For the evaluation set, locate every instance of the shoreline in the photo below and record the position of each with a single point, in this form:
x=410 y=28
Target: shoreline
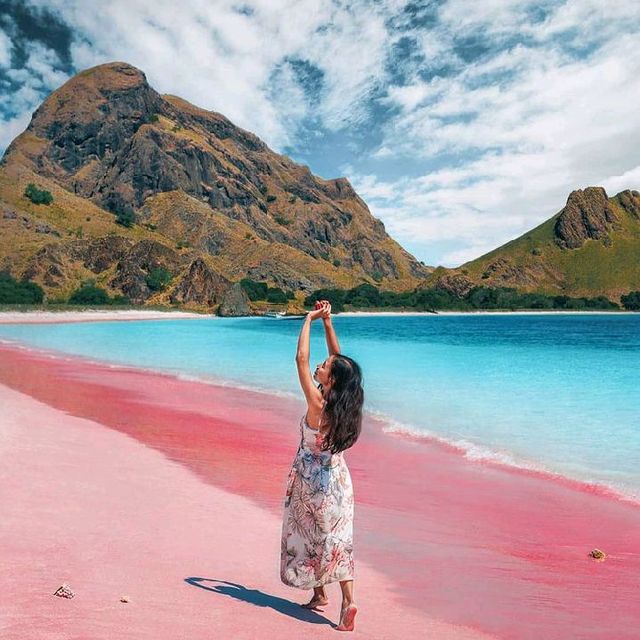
x=472 y=452
x=520 y=571
x=482 y=313
x=95 y=315
x=99 y=315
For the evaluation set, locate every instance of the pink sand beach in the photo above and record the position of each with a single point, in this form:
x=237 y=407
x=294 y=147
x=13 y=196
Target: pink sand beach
x=122 y=482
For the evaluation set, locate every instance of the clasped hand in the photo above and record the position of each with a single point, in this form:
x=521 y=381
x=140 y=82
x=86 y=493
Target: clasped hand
x=322 y=310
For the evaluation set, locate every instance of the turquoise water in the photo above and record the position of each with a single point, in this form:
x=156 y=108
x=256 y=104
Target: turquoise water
x=556 y=392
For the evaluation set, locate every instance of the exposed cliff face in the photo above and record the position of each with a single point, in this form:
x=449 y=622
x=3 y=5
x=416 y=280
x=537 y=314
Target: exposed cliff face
x=630 y=202
x=587 y=214
x=107 y=137
x=201 y=285
x=235 y=302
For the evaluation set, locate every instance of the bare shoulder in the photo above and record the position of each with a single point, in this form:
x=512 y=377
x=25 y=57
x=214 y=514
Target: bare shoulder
x=314 y=411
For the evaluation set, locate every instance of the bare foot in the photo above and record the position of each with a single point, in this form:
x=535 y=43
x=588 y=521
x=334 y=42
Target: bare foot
x=347 y=618
x=316 y=602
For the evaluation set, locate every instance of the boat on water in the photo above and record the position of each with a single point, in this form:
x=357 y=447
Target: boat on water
x=281 y=315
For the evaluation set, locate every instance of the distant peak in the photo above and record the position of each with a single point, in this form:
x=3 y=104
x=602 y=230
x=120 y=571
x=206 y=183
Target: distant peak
x=112 y=75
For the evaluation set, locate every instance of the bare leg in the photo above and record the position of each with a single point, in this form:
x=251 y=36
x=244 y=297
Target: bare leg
x=319 y=599
x=347 y=592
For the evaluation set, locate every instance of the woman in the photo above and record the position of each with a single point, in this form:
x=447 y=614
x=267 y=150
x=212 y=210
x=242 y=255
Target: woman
x=317 y=528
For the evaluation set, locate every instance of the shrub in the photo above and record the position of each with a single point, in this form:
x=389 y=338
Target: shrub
x=364 y=295
x=126 y=217
x=153 y=117
x=261 y=291
x=276 y=295
x=631 y=301
x=282 y=220
x=158 y=278
x=255 y=290
x=336 y=262
x=359 y=301
x=38 y=196
x=271 y=198
x=89 y=294
x=334 y=296
x=13 y=291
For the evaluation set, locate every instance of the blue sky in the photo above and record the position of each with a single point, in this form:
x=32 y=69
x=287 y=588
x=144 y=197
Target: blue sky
x=461 y=123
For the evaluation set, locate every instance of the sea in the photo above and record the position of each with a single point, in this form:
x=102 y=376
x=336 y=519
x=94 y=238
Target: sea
x=557 y=393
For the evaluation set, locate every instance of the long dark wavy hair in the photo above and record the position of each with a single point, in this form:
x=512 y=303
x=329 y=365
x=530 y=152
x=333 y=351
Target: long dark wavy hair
x=343 y=404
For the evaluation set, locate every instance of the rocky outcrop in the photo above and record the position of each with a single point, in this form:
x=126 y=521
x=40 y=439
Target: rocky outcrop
x=588 y=214
x=134 y=267
x=201 y=285
x=630 y=201
x=29 y=223
x=99 y=254
x=285 y=277
x=48 y=265
x=235 y=302
x=457 y=284
x=502 y=272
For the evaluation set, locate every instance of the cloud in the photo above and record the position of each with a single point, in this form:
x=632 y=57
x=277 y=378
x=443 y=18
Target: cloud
x=5 y=49
x=463 y=124
x=615 y=184
x=511 y=134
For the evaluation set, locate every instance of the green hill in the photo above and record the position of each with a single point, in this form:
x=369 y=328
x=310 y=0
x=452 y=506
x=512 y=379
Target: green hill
x=590 y=247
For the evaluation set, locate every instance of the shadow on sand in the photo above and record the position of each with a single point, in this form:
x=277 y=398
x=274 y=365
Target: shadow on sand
x=260 y=599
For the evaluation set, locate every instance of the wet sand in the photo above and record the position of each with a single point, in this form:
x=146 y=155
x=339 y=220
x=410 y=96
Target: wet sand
x=126 y=482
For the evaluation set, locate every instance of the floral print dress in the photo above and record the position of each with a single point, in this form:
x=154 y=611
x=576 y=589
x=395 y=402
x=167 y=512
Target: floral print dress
x=317 y=527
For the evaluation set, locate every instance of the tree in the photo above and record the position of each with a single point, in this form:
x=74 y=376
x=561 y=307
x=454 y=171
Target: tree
x=158 y=279
x=631 y=301
x=89 y=294
x=126 y=217
x=13 y=291
x=276 y=295
x=255 y=290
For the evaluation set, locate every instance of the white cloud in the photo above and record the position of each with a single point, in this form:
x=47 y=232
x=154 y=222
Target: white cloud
x=5 y=49
x=492 y=147
x=37 y=74
x=11 y=128
x=629 y=179
x=521 y=140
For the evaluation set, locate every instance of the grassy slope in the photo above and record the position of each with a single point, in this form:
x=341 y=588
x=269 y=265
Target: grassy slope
x=591 y=270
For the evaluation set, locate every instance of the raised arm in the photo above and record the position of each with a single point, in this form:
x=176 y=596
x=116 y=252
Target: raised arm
x=333 y=346
x=311 y=392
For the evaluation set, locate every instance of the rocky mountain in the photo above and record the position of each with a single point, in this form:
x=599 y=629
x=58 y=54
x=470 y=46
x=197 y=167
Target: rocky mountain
x=213 y=203
x=590 y=247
